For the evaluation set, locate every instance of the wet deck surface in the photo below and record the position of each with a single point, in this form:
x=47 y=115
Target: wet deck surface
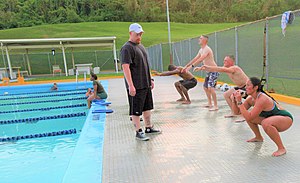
x=196 y=145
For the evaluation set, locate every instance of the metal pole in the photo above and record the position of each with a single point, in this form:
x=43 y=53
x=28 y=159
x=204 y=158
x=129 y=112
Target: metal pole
x=216 y=47
x=190 y=49
x=169 y=32
x=9 y=64
x=77 y=75
x=4 y=59
x=161 y=58
x=49 y=63
x=236 y=46
x=96 y=58
x=267 y=54
x=181 y=53
x=28 y=62
x=73 y=60
x=64 y=56
x=115 y=56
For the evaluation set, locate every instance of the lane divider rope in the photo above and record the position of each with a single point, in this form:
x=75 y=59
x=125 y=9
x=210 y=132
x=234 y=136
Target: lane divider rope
x=43 y=109
x=44 y=101
x=43 y=96
x=79 y=89
x=38 y=135
x=36 y=119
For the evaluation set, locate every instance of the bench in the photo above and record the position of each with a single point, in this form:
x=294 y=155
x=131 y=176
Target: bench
x=83 y=68
x=22 y=73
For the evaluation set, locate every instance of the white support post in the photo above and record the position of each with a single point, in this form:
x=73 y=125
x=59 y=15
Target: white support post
x=190 y=49
x=115 y=56
x=216 y=47
x=169 y=32
x=28 y=62
x=267 y=54
x=236 y=46
x=9 y=64
x=64 y=56
x=161 y=59
x=3 y=57
x=84 y=75
x=73 y=60
x=77 y=76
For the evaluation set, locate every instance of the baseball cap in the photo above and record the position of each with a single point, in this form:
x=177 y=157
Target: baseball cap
x=135 y=27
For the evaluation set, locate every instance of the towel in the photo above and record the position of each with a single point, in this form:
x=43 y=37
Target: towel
x=286 y=18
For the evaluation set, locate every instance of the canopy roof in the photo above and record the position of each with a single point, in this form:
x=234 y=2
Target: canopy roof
x=62 y=43
x=58 y=42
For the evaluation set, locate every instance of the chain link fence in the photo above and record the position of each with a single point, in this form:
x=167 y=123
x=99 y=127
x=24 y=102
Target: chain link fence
x=41 y=63
x=246 y=42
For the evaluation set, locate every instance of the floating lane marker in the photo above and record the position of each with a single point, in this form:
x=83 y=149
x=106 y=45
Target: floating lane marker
x=38 y=135
x=34 y=120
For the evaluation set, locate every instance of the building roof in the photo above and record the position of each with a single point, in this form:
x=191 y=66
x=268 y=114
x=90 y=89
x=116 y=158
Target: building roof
x=58 y=42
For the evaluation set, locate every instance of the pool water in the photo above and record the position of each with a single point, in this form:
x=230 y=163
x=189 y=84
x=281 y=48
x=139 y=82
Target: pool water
x=43 y=159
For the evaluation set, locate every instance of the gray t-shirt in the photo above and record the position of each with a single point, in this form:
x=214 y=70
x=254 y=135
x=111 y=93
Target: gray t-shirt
x=136 y=55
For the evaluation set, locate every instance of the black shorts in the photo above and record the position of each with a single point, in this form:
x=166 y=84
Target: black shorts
x=142 y=101
x=244 y=94
x=188 y=84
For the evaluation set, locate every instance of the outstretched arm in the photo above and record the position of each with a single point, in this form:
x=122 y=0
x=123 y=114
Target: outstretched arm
x=215 y=69
x=197 y=60
x=168 y=73
x=200 y=59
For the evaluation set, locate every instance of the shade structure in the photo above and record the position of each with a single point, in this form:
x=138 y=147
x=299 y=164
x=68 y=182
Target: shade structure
x=62 y=43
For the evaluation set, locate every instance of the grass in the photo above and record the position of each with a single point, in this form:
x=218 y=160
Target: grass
x=41 y=60
x=250 y=46
x=155 y=32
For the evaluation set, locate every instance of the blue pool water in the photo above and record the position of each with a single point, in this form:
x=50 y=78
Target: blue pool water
x=55 y=158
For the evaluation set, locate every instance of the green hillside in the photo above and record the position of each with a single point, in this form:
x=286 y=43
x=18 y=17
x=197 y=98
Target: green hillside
x=41 y=60
x=155 y=33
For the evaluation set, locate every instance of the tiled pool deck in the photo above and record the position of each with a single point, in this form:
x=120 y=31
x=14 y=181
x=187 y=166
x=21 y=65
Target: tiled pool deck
x=196 y=145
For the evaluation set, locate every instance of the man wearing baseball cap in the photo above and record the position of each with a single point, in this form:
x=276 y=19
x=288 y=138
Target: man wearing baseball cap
x=138 y=81
x=135 y=27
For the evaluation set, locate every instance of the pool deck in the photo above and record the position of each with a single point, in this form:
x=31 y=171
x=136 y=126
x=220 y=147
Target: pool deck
x=196 y=145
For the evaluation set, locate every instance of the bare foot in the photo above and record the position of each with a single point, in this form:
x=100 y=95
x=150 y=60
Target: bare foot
x=230 y=116
x=186 y=102
x=240 y=120
x=181 y=100
x=214 y=109
x=255 y=140
x=207 y=106
x=279 y=152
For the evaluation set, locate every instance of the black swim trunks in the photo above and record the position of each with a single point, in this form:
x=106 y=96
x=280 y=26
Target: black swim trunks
x=188 y=84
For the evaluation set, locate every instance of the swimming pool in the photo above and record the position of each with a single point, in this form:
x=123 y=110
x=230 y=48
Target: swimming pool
x=50 y=153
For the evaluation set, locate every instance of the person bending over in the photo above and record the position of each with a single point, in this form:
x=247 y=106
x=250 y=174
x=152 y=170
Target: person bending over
x=182 y=86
